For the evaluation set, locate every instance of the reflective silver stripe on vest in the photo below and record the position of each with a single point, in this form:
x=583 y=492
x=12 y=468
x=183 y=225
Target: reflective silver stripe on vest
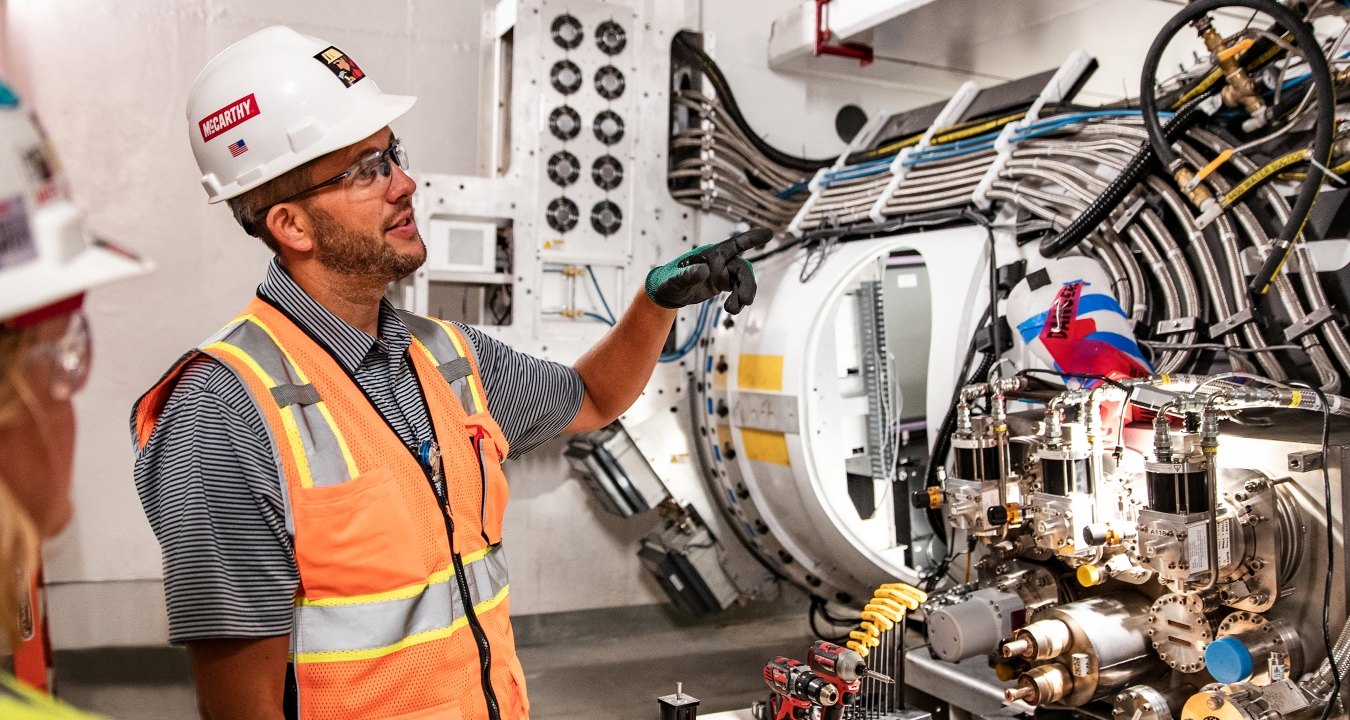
x=454 y=367
x=364 y=630
x=319 y=443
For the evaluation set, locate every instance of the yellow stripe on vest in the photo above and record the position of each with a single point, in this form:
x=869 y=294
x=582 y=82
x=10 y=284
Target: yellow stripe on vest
x=287 y=413
x=424 y=637
x=403 y=593
x=321 y=405
x=478 y=402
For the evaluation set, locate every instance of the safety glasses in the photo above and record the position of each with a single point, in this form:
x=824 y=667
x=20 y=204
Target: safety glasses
x=65 y=361
x=365 y=178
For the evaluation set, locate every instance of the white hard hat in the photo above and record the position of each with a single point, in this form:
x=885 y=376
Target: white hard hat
x=46 y=255
x=276 y=100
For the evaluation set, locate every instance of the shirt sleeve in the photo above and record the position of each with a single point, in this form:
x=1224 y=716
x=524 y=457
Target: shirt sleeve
x=210 y=486
x=532 y=400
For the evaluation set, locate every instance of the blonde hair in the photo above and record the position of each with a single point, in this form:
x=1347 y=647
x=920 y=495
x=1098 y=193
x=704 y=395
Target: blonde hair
x=18 y=536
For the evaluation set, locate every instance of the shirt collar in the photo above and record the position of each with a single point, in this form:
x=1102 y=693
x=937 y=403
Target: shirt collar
x=348 y=344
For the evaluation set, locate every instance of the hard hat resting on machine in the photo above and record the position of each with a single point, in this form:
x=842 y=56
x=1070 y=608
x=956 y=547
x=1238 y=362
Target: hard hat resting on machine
x=46 y=254
x=276 y=100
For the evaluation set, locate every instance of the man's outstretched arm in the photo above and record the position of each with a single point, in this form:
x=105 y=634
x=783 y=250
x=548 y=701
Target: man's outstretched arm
x=617 y=369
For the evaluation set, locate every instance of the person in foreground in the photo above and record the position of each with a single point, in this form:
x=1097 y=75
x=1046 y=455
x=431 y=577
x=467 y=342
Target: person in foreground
x=47 y=262
x=324 y=474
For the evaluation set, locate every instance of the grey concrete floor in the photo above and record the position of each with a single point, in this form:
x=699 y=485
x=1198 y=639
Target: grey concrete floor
x=596 y=665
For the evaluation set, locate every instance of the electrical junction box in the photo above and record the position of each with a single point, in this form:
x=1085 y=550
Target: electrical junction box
x=461 y=245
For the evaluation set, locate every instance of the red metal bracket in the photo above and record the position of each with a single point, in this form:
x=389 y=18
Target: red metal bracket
x=858 y=51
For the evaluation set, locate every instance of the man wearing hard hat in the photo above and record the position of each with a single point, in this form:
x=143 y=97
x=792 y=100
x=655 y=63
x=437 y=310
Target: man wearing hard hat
x=324 y=474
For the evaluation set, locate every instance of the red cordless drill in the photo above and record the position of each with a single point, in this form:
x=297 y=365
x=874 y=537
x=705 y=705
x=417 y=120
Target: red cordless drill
x=844 y=669
x=796 y=690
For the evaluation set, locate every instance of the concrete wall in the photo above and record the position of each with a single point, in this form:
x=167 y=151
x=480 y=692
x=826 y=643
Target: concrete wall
x=110 y=81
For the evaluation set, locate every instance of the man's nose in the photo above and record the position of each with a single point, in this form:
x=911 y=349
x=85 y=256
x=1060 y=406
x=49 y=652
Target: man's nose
x=401 y=183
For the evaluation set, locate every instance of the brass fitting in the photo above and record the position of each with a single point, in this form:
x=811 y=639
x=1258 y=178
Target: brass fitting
x=1196 y=192
x=1240 y=88
x=1041 y=685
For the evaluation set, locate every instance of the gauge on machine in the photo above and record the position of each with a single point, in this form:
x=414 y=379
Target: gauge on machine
x=606 y=218
x=563 y=168
x=565 y=76
x=562 y=214
x=609 y=82
x=610 y=38
x=608 y=127
x=564 y=122
x=567 y=32
x=607 y=172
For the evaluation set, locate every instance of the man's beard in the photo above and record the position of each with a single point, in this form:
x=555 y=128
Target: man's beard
x=360 y=254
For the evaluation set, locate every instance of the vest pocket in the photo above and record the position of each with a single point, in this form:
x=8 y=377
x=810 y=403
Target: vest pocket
x=492 y=448
x=355 y=538
x=518 y=679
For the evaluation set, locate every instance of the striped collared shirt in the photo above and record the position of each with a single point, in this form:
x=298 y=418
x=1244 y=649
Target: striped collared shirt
x=208 y=477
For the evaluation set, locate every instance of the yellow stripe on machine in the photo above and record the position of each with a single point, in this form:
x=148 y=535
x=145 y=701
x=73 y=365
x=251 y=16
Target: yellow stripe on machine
x=760 y=372
x=765 y=446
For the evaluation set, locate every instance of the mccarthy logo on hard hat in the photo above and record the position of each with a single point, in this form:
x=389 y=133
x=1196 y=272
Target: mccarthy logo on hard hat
x=342 y=66
x=228 y=116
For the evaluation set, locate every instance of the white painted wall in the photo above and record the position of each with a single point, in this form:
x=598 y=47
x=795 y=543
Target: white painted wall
x=109 y=80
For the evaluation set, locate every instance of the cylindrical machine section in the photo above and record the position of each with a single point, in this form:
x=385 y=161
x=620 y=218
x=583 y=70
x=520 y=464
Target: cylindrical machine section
x=1253 y=648
x=1110 y=632
x=1041 y=685
x=974 y=626
x=1041 y=640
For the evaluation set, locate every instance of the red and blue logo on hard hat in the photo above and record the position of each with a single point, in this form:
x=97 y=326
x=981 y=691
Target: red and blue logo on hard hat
x=342 y=66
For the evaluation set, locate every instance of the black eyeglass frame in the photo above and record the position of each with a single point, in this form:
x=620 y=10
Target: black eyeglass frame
x=394 y=154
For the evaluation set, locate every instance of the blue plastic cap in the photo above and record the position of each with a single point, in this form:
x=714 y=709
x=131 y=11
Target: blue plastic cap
x=8 y=98
x=1228 y=660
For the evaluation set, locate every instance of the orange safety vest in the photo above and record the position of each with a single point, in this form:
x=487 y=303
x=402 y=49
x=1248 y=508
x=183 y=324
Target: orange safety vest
x=402 y=610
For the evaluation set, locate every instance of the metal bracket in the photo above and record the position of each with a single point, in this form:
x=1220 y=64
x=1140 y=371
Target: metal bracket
x=1175 y=326
x=858 y=51
x=1127 y=217
x=951 y=112
x=1306 y=461
x=773 y=412
x=1307 y=324
x=1231 y=323
x=1060 y=85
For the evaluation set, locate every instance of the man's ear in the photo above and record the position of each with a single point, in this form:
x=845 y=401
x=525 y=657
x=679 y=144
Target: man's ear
x=291 y=226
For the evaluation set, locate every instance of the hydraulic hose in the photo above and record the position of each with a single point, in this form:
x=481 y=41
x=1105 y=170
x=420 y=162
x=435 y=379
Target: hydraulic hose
x=719 y=81
x=1321 y=681
x=1326 y=105
x=1110 y=199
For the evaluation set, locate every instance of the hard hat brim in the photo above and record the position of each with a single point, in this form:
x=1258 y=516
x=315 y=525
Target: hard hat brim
x=101 y=263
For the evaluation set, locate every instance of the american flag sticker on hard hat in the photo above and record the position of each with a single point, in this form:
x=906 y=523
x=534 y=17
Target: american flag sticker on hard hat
x=238 y=148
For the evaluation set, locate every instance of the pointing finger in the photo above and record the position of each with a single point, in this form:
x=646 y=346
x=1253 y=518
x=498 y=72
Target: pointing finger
x=751 y=239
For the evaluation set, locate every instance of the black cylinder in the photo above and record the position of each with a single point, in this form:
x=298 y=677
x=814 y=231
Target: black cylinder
x=1179 y=493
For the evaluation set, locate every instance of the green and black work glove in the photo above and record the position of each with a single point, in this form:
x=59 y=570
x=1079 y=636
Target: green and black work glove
x=704 y=272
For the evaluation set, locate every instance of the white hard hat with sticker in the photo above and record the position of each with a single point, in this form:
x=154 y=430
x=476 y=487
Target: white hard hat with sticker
x=46 y=254
x=276 y=100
